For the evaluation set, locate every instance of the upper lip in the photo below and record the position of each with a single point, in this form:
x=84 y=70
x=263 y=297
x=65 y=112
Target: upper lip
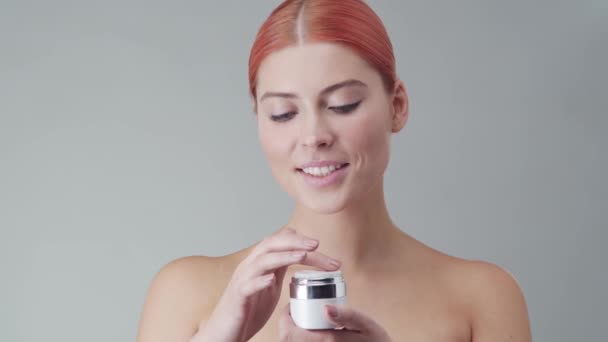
x=320 y=163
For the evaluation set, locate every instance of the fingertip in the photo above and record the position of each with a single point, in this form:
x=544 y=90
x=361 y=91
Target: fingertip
x=334 y=265
x=311 y=244
x=332 y=311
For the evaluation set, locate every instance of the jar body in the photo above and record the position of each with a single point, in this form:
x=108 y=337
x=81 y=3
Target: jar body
x=310 y=313
x=309 y=292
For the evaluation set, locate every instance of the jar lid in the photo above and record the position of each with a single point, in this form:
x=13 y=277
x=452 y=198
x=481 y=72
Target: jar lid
x=318 y=275
x=317 y=285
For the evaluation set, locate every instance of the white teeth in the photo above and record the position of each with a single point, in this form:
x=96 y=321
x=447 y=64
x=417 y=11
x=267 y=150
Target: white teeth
x=321 y=171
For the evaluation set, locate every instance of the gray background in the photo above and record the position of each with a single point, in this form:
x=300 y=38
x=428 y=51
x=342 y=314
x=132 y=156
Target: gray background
x=127 y=140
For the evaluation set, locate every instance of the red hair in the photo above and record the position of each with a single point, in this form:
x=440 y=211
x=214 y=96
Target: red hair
x=349 y=22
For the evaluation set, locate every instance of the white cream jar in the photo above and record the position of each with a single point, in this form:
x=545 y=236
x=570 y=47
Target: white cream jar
x=309 y=292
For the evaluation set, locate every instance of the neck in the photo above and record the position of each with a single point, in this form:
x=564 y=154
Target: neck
x=358 y=235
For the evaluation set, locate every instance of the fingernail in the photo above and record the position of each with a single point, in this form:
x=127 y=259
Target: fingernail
x=334 y=263
x=311 y=243
x=332 y=311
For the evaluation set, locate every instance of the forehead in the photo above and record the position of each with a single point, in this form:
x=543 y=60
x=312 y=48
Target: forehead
x=310 y=67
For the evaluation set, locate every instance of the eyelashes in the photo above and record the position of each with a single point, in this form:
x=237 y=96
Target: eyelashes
x=345 y=109
x=282 y=117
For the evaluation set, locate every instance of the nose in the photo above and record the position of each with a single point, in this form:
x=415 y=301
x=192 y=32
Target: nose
x=316 y=133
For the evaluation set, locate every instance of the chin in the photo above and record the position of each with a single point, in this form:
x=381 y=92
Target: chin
x=325 y=210
x=325 y=205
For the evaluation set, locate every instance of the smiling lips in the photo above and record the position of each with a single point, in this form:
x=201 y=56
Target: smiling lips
x=324 y=173
x=321 y=168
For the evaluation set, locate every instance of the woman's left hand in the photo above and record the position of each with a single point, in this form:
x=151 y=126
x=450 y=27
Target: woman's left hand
x=357 y=327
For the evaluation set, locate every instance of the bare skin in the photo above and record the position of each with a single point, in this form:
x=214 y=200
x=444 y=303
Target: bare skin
x=408 y=290
x=420 y=295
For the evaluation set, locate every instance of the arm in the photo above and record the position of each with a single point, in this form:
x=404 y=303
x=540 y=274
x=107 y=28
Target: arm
x=235 y=301
x=499 y=313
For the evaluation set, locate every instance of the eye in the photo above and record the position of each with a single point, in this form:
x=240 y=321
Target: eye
x=282 y=117
x=346 y=108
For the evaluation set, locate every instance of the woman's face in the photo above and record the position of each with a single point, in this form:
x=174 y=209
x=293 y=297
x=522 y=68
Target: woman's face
x=324 y=123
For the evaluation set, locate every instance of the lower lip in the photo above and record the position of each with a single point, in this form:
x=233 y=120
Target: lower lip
x=321 y=182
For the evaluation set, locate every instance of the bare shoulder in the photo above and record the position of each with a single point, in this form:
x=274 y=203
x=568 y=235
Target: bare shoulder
x=183 y=293
x=485 y=282
x=494 y=298
x=487 y=278
x=487 y=294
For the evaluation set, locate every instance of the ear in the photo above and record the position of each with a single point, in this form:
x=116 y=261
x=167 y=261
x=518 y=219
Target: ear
x=254 y=104
x=400 y=106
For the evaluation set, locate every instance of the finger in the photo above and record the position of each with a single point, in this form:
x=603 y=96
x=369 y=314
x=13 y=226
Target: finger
x=350 y=319
x=271 y=262
x=257 y=284
x=322 y=261
x=285 y=240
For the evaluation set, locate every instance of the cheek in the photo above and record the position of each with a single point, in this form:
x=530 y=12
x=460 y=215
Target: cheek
x=276 y=146
x=274 y=143
x=368 y=137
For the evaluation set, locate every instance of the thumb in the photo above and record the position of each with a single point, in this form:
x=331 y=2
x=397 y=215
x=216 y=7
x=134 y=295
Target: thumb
x=350 y=319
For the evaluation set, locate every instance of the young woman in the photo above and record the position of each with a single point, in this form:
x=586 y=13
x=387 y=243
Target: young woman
x=327 y=99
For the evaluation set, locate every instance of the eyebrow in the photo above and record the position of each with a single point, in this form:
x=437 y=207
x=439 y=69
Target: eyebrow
x=327 y=90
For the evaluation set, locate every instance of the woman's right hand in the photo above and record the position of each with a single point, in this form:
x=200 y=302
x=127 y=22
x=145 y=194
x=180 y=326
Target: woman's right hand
x=255 y=287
